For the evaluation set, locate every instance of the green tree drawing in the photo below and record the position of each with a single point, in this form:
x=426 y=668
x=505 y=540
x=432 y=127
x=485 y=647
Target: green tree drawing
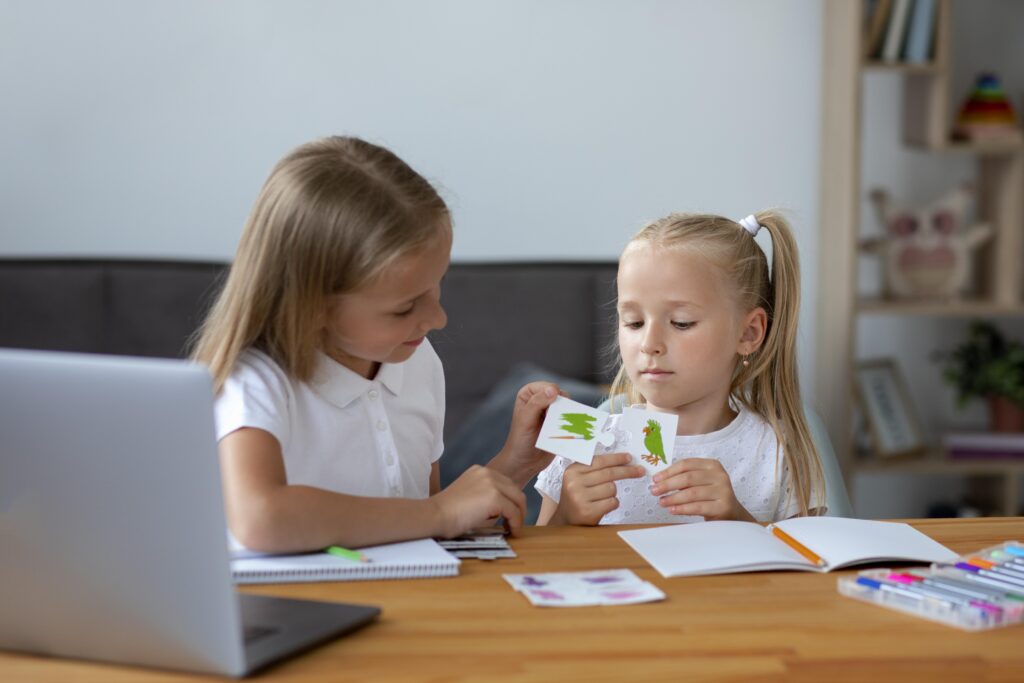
x=578 y=423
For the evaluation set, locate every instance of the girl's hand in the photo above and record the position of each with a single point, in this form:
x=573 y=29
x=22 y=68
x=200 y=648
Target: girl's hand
x=519 y=458
x=699 y=486
x=478 y=498
x=588 y=493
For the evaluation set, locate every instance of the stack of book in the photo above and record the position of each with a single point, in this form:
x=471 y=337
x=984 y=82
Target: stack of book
x=984 y=445
x=900 y=30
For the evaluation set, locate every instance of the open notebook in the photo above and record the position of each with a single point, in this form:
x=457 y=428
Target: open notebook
x=725 y=547
x=409 y=560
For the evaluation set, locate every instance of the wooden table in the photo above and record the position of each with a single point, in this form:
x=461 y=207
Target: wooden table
x=769 y=626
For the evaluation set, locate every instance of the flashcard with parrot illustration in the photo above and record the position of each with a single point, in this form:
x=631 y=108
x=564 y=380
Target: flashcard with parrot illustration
x=652 y=437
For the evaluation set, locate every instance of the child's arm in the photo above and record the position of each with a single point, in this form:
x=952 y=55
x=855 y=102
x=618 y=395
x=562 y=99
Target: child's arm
x=588 y=493
x=519 y=459
x=267 y=514
x=699 y=486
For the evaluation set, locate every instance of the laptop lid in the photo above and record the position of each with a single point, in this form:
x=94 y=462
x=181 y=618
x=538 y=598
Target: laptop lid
x=111 y=517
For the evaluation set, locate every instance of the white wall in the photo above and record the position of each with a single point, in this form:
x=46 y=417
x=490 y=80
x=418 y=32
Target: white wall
x=554 y=127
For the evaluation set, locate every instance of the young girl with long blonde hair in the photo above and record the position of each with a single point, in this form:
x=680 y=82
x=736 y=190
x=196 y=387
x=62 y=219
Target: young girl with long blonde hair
x=330 y=402
x=706 y=331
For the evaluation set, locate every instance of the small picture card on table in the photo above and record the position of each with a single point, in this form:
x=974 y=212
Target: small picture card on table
x=584 y=589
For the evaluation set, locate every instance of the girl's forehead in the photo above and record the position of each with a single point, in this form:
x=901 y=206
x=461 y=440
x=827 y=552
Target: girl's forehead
x=412 y=273
x=654 y=275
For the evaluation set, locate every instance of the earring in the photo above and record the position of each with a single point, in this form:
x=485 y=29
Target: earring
x=746 y=361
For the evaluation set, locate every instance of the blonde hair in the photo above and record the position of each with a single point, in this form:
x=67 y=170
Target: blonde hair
x=769 y=386
x=332 y=215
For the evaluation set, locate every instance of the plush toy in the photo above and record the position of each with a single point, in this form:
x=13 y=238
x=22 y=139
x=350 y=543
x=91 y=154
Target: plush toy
x=926 y=253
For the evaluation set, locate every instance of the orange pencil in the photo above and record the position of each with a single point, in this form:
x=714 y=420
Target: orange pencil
x=797 y=546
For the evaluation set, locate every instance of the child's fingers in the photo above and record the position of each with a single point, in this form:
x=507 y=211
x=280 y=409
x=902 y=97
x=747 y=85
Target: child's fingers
x=690 y=472
x=693 y=494
x=610 y=459
x=681 y=482
x=603 y=507
x=612 y=474
x=685 y=465
x=513 y=504
x=592 y=494
x=539 y=394
x=704 y=508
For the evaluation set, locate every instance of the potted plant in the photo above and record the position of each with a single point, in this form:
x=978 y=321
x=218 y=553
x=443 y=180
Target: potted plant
x=991 y=367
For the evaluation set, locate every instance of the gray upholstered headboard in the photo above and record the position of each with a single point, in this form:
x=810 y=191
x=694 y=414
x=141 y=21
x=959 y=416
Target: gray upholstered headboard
x=557 y=315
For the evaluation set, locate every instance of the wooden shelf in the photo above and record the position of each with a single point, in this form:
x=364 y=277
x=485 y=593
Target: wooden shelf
x=929 y=106
x=900 y=67
x=939 y=309
x=940 y=465
x=977 y=147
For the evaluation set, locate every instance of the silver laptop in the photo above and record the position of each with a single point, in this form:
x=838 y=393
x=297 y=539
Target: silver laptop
x=113 y=542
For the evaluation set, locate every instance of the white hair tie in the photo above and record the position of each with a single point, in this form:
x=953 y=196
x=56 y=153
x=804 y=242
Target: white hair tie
x=751 y=225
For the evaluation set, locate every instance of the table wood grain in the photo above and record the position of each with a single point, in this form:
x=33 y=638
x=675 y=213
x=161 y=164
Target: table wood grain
x=767 y=626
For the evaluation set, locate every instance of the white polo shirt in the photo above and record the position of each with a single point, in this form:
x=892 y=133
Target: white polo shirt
x=341 y=431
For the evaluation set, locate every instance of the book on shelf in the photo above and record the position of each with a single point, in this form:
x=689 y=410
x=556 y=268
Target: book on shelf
x=920 y=32
x=896 y=31
x=875 y=34
x=983 y=445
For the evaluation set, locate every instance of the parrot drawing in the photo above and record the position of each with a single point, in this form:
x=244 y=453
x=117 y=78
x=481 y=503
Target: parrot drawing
x=652 y=442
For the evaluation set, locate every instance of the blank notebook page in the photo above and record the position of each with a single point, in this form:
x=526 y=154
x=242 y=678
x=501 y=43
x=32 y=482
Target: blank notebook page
x=711 y=547
x=840 y=541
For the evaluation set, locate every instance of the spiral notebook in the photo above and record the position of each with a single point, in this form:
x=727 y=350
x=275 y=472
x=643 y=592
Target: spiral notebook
x=408 y=560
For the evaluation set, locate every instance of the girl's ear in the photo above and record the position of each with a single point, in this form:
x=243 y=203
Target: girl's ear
x=752 y=331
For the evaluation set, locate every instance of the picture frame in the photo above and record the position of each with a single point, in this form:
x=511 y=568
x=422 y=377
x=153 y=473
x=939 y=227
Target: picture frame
x=888 y=410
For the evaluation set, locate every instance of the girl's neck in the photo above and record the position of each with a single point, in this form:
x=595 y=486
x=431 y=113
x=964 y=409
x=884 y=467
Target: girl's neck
x=360 y=366
x=703 y=416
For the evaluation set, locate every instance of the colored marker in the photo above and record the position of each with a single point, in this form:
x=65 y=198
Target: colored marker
x=1004 y=580
x=797 y=546
x=1014 y=550
x=950 y=596
x=974 y=590
x=978 y=562
x=1013 y=574
x=916 y=594
x=889 y=588
x=353 y=555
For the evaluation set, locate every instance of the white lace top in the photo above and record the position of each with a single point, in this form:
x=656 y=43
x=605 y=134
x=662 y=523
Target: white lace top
x=745 y=447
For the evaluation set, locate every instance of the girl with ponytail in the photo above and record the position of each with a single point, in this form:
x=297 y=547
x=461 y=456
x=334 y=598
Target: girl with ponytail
x=706 y=331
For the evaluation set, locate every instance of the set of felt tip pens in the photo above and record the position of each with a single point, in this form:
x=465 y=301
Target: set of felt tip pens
x=979 y=591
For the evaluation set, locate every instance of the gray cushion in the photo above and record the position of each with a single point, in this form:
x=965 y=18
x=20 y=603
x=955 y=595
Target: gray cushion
x=47 y=305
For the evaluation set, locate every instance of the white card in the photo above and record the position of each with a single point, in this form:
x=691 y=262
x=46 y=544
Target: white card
x=580 y=589
x=572 y=430
x=596 y=579
x=651 y=437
